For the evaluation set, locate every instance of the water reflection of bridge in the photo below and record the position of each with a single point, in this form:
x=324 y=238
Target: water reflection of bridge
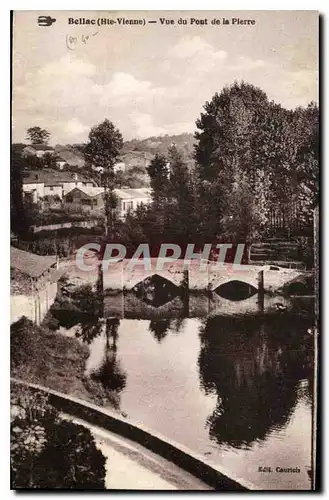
x=202 y=305
x=177 y=289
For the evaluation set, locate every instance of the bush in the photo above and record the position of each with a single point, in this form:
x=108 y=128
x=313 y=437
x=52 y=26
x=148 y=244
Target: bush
x=48 y=452
x=305 y=251
x=50 y=322
x=22 y=344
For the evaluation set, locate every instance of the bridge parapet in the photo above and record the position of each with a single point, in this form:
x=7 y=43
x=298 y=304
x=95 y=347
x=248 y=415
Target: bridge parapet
x=194 y=276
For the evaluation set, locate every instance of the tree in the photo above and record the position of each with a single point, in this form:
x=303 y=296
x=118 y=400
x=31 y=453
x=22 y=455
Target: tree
x=226 y=130
x=224 y=151
x=179 y=175
x=101 y=152
x=18 y=165
x=133 y=178
x=159 y=216
x=131 y=230
x=49 y=160
x=184 y=220
x=306 y=128
x=48 y=452
x=245 y=220
x=247 y=143
x=38 y=135
x=158 y=171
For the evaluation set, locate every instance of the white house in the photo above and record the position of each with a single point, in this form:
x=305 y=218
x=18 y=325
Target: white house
x=38 y=150
x=47 y=182
x=129 y=160
x=84 y=199
x=60 y=162
x=130 y=199
x=119 y=167
x=91 y=199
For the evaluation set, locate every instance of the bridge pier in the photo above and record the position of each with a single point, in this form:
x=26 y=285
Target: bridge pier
x=261 y=291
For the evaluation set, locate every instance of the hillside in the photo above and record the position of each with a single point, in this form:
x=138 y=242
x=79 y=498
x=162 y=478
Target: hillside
x=73 y=153
x=161 y=144
x=136 y=155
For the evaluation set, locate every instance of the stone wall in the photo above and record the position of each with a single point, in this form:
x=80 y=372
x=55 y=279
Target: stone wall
x=181 y=456
x=34 y=306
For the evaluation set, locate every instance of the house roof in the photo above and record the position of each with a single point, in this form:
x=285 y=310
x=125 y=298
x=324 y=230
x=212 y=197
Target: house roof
x=93 y=191
x=40 y=147
x=70 y=156
x=124 y=194
x=89 y=191
x=29 y=263
x=52 y=177
x=132 y=193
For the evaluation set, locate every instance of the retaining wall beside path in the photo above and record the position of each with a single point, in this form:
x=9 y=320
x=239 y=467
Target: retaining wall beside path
x=181 y=456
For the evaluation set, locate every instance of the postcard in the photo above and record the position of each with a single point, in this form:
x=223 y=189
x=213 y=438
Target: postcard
x=165 y=250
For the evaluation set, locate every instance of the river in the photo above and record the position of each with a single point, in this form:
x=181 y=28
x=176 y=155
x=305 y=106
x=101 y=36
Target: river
x=237 y=390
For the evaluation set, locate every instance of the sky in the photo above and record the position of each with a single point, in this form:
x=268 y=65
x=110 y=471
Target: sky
x=154 y=79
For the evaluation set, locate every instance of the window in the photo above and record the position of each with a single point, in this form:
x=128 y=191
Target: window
x=69 y=198
x=51 y=188
x=127 y=205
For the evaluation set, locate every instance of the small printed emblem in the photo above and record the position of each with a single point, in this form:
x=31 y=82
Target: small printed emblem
x=46 y=20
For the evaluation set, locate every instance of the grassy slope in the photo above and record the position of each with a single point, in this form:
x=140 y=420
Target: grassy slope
x=53 y=360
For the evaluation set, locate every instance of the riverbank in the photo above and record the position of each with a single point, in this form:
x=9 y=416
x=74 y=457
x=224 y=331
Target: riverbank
x=41 y=356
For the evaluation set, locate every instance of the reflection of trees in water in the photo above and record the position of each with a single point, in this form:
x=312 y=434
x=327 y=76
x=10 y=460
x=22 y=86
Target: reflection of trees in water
x=160 y=328
x=177 y=325
x=86 y=313
x=254 y=367
x=88 y=328
x=110 y=373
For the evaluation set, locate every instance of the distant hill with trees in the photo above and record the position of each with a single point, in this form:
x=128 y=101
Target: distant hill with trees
x=161 y=143
x=184 y=143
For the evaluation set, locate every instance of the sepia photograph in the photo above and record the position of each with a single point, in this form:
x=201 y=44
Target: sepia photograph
x=164 y=250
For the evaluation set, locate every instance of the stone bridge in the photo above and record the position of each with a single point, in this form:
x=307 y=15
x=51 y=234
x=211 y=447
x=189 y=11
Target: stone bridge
x=192 y=290
x=195 y=277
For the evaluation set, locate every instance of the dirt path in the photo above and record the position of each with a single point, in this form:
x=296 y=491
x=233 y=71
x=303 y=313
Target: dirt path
x=132 y=467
